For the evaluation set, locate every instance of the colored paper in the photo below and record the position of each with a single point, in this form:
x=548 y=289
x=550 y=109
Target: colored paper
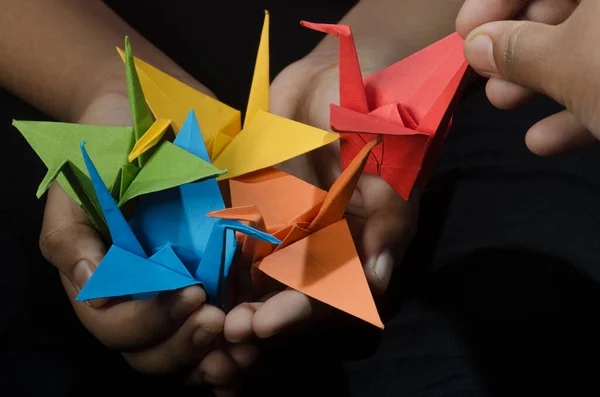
x=140 y=112
x=169 y=242
x=178 y=217
x=316 y=255
x=127 y=270
x=409 y=103
x=265 y=139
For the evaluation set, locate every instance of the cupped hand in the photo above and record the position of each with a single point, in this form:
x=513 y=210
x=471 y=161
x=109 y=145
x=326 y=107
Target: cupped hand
x=382 y=223
x=550 y=50
x=172 y=333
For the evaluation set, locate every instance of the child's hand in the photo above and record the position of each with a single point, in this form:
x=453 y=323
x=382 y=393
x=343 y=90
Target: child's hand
x=522 y=58
x=161 y=335
x=379 y=218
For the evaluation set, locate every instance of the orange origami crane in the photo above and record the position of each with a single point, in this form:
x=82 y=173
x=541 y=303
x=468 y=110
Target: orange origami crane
x=410 y=103
x=317 y=255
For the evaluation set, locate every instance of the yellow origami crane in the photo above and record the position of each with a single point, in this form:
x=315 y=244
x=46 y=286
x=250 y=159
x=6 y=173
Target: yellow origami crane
x=264 y=140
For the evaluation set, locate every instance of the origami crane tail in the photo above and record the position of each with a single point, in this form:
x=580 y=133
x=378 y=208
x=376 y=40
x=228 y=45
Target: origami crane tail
x=341 y=192
x=352 y=90
x=120 y=231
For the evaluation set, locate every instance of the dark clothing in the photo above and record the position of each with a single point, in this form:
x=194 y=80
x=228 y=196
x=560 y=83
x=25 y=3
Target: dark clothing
x=497 y=296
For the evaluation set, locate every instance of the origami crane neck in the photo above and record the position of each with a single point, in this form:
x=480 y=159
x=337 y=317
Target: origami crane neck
x=140 y=112
x=352 y=90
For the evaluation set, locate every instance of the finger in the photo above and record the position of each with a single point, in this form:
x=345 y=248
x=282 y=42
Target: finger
x=244 y=355
x=558 y=133
x=388 y=230
x=216 y=368
x=130 y=325
x=238 y=323
x=69 y=241
x=188 y=343
x=477 y=12
x=506 y=95
x=551 y=12
x=285 y=310
x=524 y=53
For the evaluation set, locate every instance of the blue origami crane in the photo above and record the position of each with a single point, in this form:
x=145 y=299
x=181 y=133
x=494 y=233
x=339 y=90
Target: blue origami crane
x=170 y=242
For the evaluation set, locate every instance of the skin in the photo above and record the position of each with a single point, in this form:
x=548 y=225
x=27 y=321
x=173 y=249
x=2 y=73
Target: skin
x=380 y=219
x=83 y=81
x=527 y=56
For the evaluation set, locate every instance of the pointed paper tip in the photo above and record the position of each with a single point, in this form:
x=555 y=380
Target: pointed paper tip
x=127 y=46
x=266 y=13
x=82 y=145
x=133 y=155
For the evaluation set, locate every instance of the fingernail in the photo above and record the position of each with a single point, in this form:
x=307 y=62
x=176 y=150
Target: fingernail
x=480 y=54
x=382 y=269
x=82 y=272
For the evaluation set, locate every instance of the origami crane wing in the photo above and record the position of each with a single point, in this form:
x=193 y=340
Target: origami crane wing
x=56 y=143
x=326 y=267
x=420 y=80
x=126 y=269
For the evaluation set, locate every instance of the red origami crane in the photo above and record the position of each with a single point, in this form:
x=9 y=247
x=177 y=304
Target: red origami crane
x=409 y=103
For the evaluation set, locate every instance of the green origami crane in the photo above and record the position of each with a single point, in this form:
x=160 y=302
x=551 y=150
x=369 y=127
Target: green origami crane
x=163 y=167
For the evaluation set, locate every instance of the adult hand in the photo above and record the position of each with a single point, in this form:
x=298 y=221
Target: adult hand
x=166 y=334
x=382 y=223
x=551 y=51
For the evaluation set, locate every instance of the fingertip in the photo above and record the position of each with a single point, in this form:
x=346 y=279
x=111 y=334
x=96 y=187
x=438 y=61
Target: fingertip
x=244 y=355
x=217 y=368
x=238 y=322
x=282 y=311
x=557 y=134
x=210 y=318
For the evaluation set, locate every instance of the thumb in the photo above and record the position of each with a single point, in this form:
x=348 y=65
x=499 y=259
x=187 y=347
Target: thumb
x=389 y=228
x=524 y=53
x=69 y=241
